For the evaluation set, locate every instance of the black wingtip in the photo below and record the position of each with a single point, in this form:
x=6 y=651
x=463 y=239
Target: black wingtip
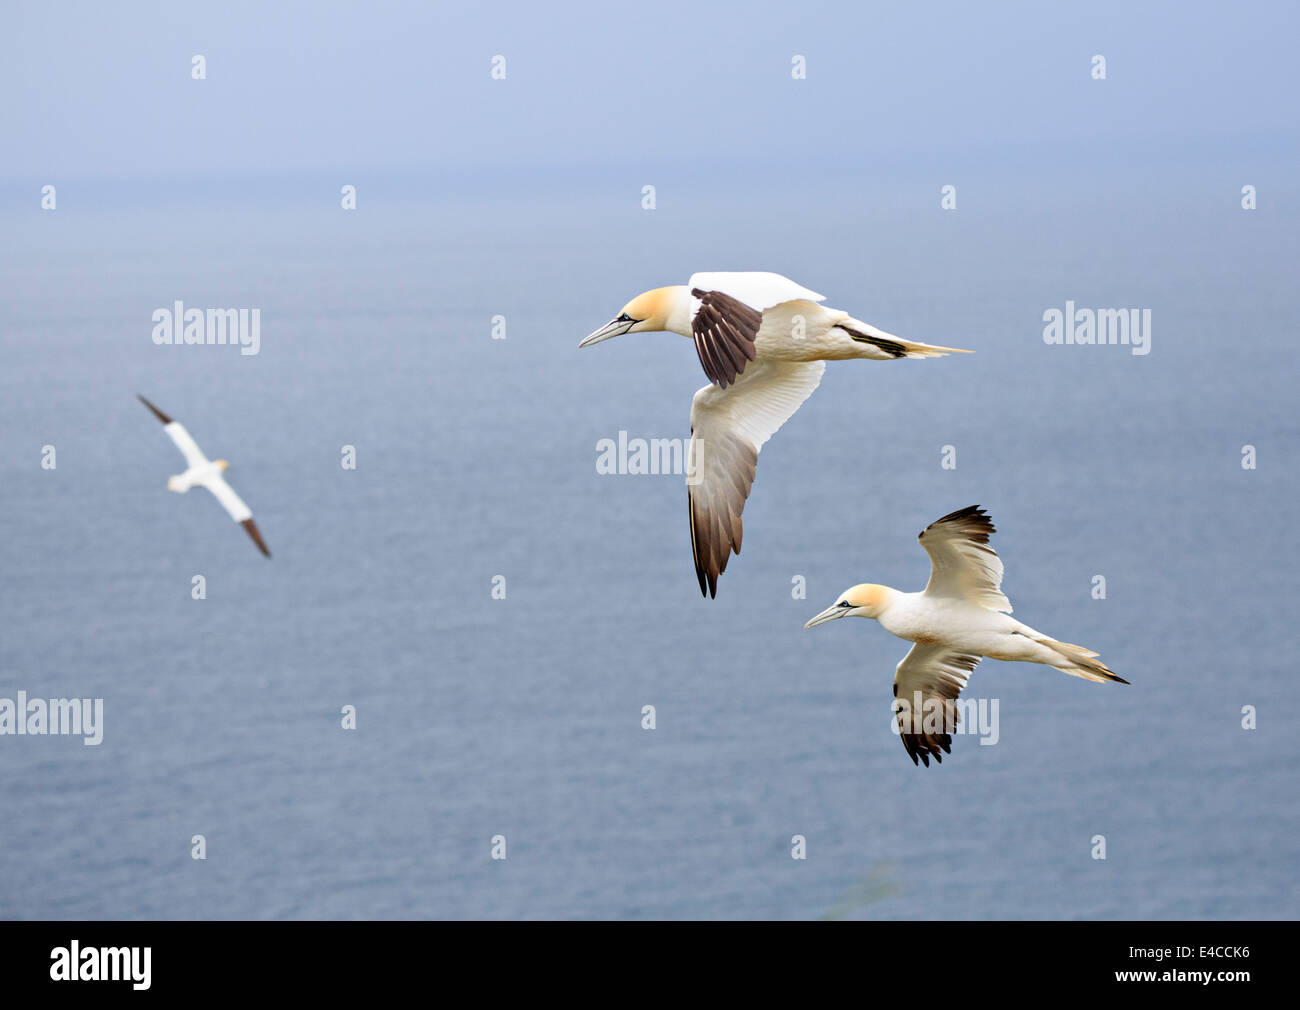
x=981 y=524
x=891 y=347
x=251 y=527
x=156 y=412
x=969 y=511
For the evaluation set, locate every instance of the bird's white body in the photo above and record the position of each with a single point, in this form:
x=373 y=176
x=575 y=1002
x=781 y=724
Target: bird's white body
x=763 y=341
x=962 y=626
x=195 y=476
x=203 y=472
x=960 y=618
x=822 y=335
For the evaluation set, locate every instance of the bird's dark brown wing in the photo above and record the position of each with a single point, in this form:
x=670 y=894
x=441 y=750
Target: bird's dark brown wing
x=724 y=329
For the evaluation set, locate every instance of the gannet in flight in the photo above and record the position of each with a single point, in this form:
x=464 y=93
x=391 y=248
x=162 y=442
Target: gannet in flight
x=763 y=341
x=960 y=618
x=206 y=473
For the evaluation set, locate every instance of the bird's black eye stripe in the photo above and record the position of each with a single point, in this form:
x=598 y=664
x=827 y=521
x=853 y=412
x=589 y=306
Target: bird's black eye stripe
x=845 y=603
x=624 y=318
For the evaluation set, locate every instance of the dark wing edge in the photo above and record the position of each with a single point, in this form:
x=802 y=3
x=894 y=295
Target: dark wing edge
x=256 y=534
x=972 y=522
x=724 y=329
x=156 y=412
x=715 y=509
x=891 y=347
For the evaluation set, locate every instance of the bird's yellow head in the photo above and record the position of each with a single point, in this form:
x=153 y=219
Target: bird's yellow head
x=222 y=464
x=652 y=308
x=864 y=600
x=657 y=309
x=866 y=596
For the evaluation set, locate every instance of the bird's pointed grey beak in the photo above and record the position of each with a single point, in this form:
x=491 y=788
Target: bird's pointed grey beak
x=611 y=329
x=829 y=614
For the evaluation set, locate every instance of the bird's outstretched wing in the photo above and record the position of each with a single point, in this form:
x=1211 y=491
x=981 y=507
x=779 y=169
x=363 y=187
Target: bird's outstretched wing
x=727 y=313
x=926 y=685
x=728 y=428
x=176 y=431
x=962 y=564
x=239 y=512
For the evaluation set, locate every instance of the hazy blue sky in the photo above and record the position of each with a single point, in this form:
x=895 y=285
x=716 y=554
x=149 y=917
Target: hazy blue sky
x=100 y=90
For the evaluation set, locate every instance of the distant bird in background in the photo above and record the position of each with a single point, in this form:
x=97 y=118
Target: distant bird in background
x=763 y=341
x=203 y=472
x=960 y=618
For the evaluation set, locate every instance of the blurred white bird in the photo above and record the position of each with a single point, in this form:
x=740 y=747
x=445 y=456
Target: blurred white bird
x=203 y=472
x=960 y=618
x=763 y=342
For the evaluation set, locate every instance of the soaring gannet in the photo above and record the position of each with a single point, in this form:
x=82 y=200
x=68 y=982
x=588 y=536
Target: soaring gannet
x=960 y=618
x=763 y=342
x=204 y=472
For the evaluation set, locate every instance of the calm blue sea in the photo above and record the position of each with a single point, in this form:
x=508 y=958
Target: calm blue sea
x=476 y=458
